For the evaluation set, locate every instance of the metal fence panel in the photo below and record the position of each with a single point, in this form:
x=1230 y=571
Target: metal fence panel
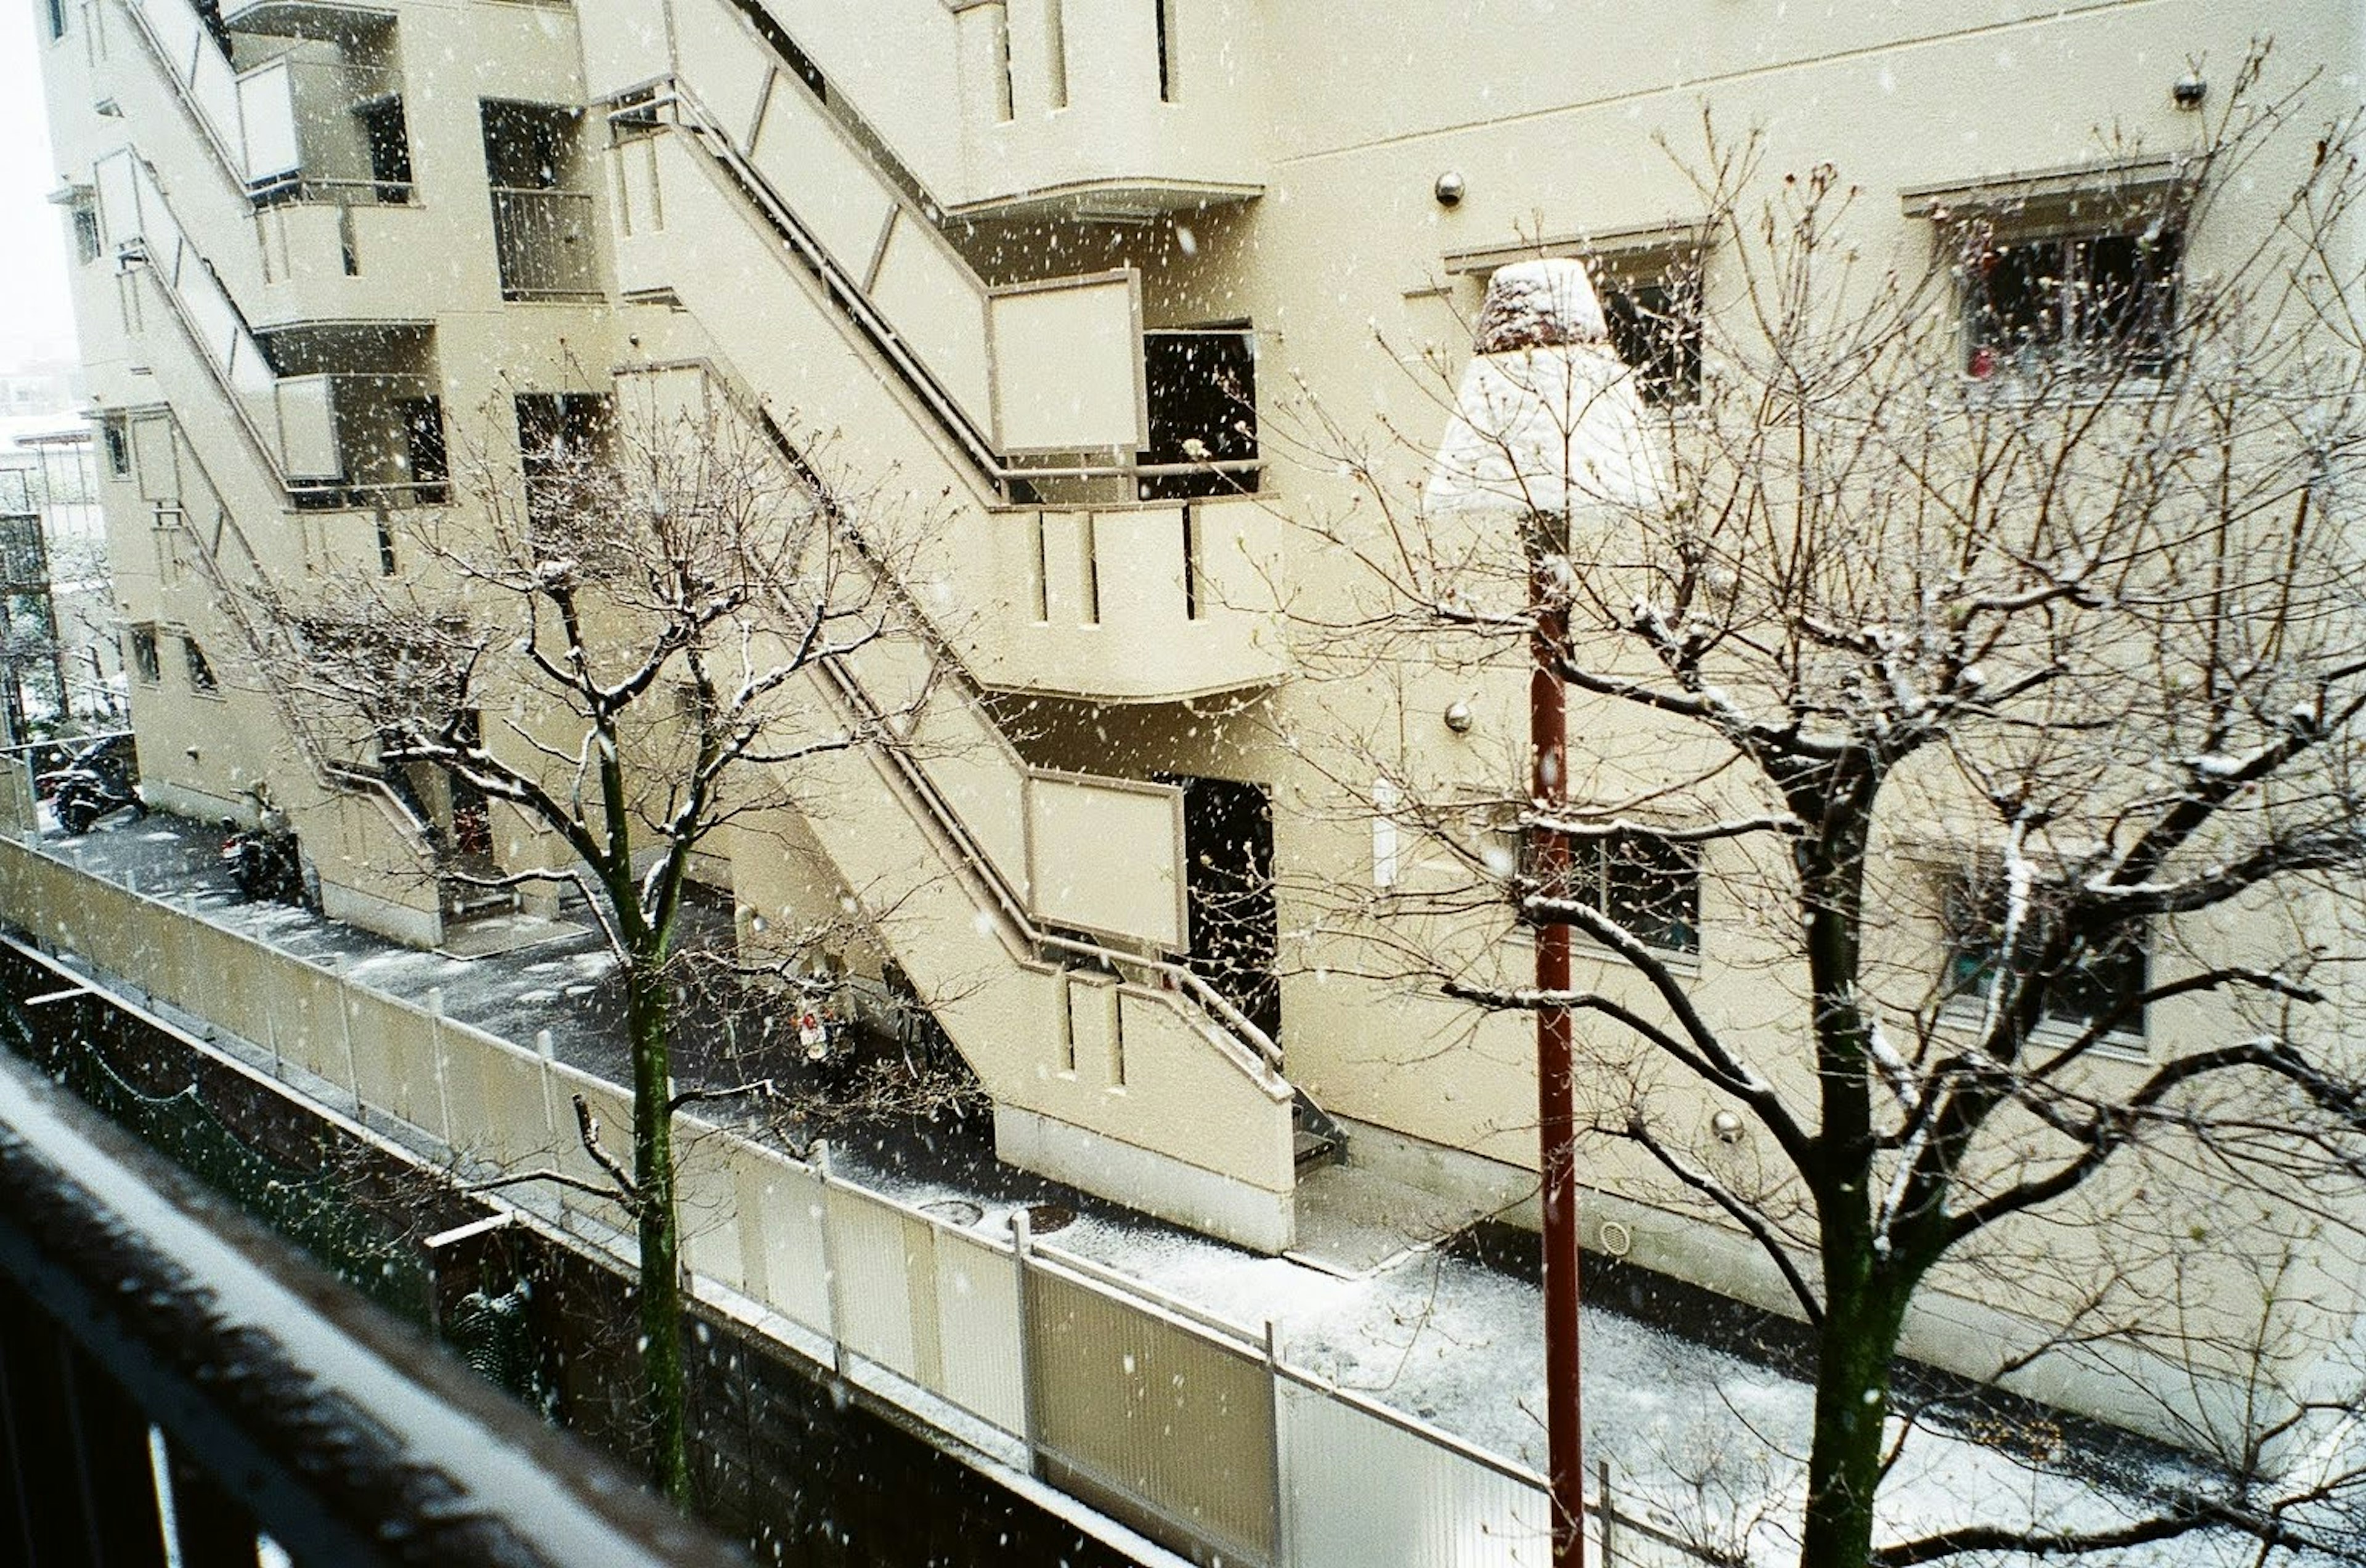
x=706 y=1198
x=612 y=1114
x=781 y=1236
x=512 y=1107
x=978 y=1327
x=884 y=1263
x=1151 y=1421
x=1363 y=1489
x=305 y=1029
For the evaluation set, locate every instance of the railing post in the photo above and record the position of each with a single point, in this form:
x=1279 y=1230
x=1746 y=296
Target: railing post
x=435 y=1055
x=829 y=1260
x=548 y=1053
x=346 y=1028
x=1026 y=1419
x=1605 y=1512
x=1281 y=1542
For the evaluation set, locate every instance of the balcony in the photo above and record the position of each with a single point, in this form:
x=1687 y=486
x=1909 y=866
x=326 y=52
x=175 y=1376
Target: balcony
x=543 y=239
x=300 y=104
x=1152 y=601
x=325 y=131
x=1077 y=109
x=362 y=441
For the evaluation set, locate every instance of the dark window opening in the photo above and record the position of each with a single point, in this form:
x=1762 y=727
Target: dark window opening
x=1234 y=924
x=1656 y=329
x=472 y=813
x=1648 y=885
x=201 y=673
x=1166 y=12
x=2104 y=300
x=388 y=138
x=2103 y=981
x=147 y=663
x=560 y=437
x=1202 y=397
x=116 y=437
x=56 y=10
x=424 y=452
x=526 y=145
x=85 y=231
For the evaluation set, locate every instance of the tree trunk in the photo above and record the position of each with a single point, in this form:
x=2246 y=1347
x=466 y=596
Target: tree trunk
x=1860 y=1336
x=660 y=1287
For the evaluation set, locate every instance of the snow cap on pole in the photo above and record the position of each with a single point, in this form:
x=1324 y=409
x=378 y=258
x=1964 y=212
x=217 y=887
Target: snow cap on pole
x=1539 y=304
x=1547 y=419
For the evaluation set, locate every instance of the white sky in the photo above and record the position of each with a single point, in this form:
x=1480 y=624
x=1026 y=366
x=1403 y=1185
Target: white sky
x=36 y=317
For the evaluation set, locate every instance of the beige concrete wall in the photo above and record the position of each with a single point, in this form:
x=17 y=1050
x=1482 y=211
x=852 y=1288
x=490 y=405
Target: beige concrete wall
x=1562 y=122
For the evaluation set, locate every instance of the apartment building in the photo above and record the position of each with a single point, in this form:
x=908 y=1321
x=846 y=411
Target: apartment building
x=56 y=613
x=1080 y=281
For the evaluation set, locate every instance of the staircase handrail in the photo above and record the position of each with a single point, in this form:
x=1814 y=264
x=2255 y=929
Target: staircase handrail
x=331 y=773
x=232 y=160
x=1261 y=1051
x=680 y=96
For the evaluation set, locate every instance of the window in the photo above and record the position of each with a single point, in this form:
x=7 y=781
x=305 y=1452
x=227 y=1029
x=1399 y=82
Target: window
x=201 y=674
x=116 y=434
x=2066 y=269
x=84 y=212
x=2105 y=301
x=55 y=10
x=1653 y=312
x=1200 y=384
x=146 y=662
x=2099 y=985
x=1648 y=885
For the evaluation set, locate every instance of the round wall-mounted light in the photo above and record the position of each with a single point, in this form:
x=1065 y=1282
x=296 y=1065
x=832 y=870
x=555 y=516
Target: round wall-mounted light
x=2188 y=91
x=1450 y=188
x=1459 y=716
x=1727 y=1125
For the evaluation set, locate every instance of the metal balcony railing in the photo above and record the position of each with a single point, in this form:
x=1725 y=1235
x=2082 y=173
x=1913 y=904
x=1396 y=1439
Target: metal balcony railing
x=545 y=243
x=194 y=1384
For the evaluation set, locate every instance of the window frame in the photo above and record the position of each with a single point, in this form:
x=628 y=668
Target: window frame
x=147 y=656
x=115 y=442
x=2149 y=201
x=203 y=679
x=1969 y=966
x=1593 y=872
x=81 y=218
x=2076 y=332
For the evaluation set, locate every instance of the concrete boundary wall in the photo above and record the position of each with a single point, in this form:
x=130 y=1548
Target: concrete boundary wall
x=1197 y=1435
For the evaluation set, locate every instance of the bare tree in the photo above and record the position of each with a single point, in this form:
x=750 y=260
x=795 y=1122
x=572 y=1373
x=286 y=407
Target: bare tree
x=628 y=654
x=1987 y=665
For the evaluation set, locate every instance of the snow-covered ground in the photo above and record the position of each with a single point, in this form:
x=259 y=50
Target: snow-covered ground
x=1715 y=1443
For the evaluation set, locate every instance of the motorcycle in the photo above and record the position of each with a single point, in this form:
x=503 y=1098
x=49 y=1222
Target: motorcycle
x=95 y=783
x=264 y=865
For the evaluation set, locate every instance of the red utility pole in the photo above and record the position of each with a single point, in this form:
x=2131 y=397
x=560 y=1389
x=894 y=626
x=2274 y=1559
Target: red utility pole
x=1556 y=1123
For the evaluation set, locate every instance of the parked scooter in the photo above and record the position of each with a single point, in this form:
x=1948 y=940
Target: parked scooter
x=264 y=865
x=95 y=782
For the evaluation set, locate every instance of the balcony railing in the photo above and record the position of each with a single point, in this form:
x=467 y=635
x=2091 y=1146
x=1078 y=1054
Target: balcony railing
x=325 y=130
x=545 y=243
x=192 y=1390
x=353 y=439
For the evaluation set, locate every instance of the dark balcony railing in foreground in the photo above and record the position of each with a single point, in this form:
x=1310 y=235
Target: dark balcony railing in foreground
x=170 y=1373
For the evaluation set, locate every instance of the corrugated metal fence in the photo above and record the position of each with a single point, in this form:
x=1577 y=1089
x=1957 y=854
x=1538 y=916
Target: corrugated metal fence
x=1194 y=1432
